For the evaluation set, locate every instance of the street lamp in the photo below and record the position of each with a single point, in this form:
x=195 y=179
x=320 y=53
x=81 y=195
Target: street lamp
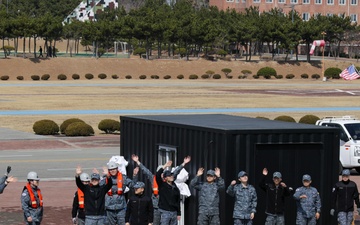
x=323 y=61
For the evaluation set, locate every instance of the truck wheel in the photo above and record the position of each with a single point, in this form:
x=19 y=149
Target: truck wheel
x=357 y=169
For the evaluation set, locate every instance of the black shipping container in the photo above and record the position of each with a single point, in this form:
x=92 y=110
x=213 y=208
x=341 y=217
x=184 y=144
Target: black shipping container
x=235 y=143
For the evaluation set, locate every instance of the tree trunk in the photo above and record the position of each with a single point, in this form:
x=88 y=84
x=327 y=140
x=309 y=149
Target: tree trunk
x=34 y=47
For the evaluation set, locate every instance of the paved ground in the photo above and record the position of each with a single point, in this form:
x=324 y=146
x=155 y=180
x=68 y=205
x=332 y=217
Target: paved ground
x=58 y=195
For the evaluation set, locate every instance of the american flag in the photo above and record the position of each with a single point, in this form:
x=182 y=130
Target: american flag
x=350 y=73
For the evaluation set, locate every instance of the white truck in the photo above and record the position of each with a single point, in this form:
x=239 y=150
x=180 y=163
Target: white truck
x=349 y=140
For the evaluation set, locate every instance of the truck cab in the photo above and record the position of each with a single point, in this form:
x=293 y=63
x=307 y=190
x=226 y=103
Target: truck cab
x=349 y=127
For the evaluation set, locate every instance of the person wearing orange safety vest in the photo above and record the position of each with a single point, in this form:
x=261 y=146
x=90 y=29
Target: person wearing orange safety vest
x=78 y=208
x=155 y=188
x=115 y=202
x=32 y=200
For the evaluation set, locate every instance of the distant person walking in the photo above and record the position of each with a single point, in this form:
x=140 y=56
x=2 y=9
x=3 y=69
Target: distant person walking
x=32 y=200
x=344 y=194
x=54 y=52
x=40 y=52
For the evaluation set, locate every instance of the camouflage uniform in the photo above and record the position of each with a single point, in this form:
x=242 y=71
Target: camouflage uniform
x=115 y=205
x=35 y=213
x=155 y=198
x=245 y=202
x=307 y=207
x=208 y=200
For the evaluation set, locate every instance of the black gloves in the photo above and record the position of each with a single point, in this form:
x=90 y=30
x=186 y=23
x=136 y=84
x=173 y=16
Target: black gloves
x=8 y=169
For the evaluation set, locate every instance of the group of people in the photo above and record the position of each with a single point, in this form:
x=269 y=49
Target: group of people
x=100 y=199
x=51 y=52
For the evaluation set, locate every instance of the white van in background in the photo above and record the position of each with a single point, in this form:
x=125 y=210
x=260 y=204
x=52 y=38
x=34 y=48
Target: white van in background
x=349 y=140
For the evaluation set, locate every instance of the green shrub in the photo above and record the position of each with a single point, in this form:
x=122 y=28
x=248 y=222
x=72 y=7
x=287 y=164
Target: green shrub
x=4 y=77
x=128 y=77
x=139 y=51
x=75 y=76
x=261 y=117
x=193 y=77
x=246 y=72
x=332 y=72
x=279 y=76
x=20 y=77
x=35 y=77
x=221 y=52
x=45 y=77
x=45 y=127
x=62 y=77
x=114 y=76
x=102 y=76
x=142 y=77
x=216 y=76
x=256 y=76
x=205 y=76
x=180 y=76
x=67 y=122
x=266 y=71
x=180 y=51
x=227 y=71
x=166 y=77
x=289 y=76
x=89 y=76
x=309 y=119
x=154 y=77
x=109 y=126
x=285 y=118
x=304 y=76
x=315 y=76
x=210 y=73
x=79 y=129
x=267 y=76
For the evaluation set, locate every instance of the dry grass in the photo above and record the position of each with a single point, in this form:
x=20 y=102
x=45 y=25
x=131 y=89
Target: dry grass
x=153 y=94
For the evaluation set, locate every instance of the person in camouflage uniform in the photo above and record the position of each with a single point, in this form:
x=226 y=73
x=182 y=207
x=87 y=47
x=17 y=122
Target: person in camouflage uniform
x=208 y=196
x=155 y=194
x=245 y=200
x=344 y=193
x=308 y=203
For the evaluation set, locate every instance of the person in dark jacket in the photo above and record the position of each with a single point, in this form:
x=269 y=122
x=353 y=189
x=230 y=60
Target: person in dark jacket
x=94 y=196
x=5 y=180
x=169 y=194
x=78 y=209
x=275 y=198
x=344 y=193
x=140 y=210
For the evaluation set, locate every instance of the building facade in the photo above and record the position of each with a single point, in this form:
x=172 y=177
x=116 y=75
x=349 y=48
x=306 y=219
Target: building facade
x=306 y=8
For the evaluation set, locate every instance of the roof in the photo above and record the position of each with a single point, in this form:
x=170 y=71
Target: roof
x=224 y=122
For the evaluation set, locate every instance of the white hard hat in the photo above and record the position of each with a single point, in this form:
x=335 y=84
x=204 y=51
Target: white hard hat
x=32 y=176
x=84 y=177
x=112 y=165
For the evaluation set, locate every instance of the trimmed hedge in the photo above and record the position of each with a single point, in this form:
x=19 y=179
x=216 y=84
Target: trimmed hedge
x=304 y=76
x=45 y=77
x=128 y=77
x=180 y=76
x=79 y=129
x=332 y=72
x=154 y=77
x=315 y=76
x=114 y=76
x=142 y=77
x=290 y=76
x=4 y=77
x=89 y=76
x=309 y=119
x=45 y=127
x=266 y=71
x=109 y=126
x=61 y=77
x=166 y=77
x=35 y=77
x=193 y=77
x=67 y=122
x=20 y=77
x=285 y=118
x=216 y=76
x=75 y=76
x=102 y=76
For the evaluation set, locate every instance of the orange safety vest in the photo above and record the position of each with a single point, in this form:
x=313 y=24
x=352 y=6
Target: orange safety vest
x=80 y=198
x=155 y=187
x=32 y=196
x=119 y=185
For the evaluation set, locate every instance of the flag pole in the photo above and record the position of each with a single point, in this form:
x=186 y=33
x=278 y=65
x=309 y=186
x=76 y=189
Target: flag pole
x=323 y=58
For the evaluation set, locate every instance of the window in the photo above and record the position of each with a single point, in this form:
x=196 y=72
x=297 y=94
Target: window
x=353 y=17
x=354 y=2
x=330 y=2
x=268 y=1
x=166 y=153
x=329 y=14
x=229 y=0
x=306 y=1
x=293 y=1
x=342 y=2
x=256 y=1
x=318 y=2
x=305 y=16
x=281 y=1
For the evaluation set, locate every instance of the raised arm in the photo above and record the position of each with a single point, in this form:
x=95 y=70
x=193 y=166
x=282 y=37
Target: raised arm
x=195 y=183
x=219 y=181
x=79 y=184
x=145 y=170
